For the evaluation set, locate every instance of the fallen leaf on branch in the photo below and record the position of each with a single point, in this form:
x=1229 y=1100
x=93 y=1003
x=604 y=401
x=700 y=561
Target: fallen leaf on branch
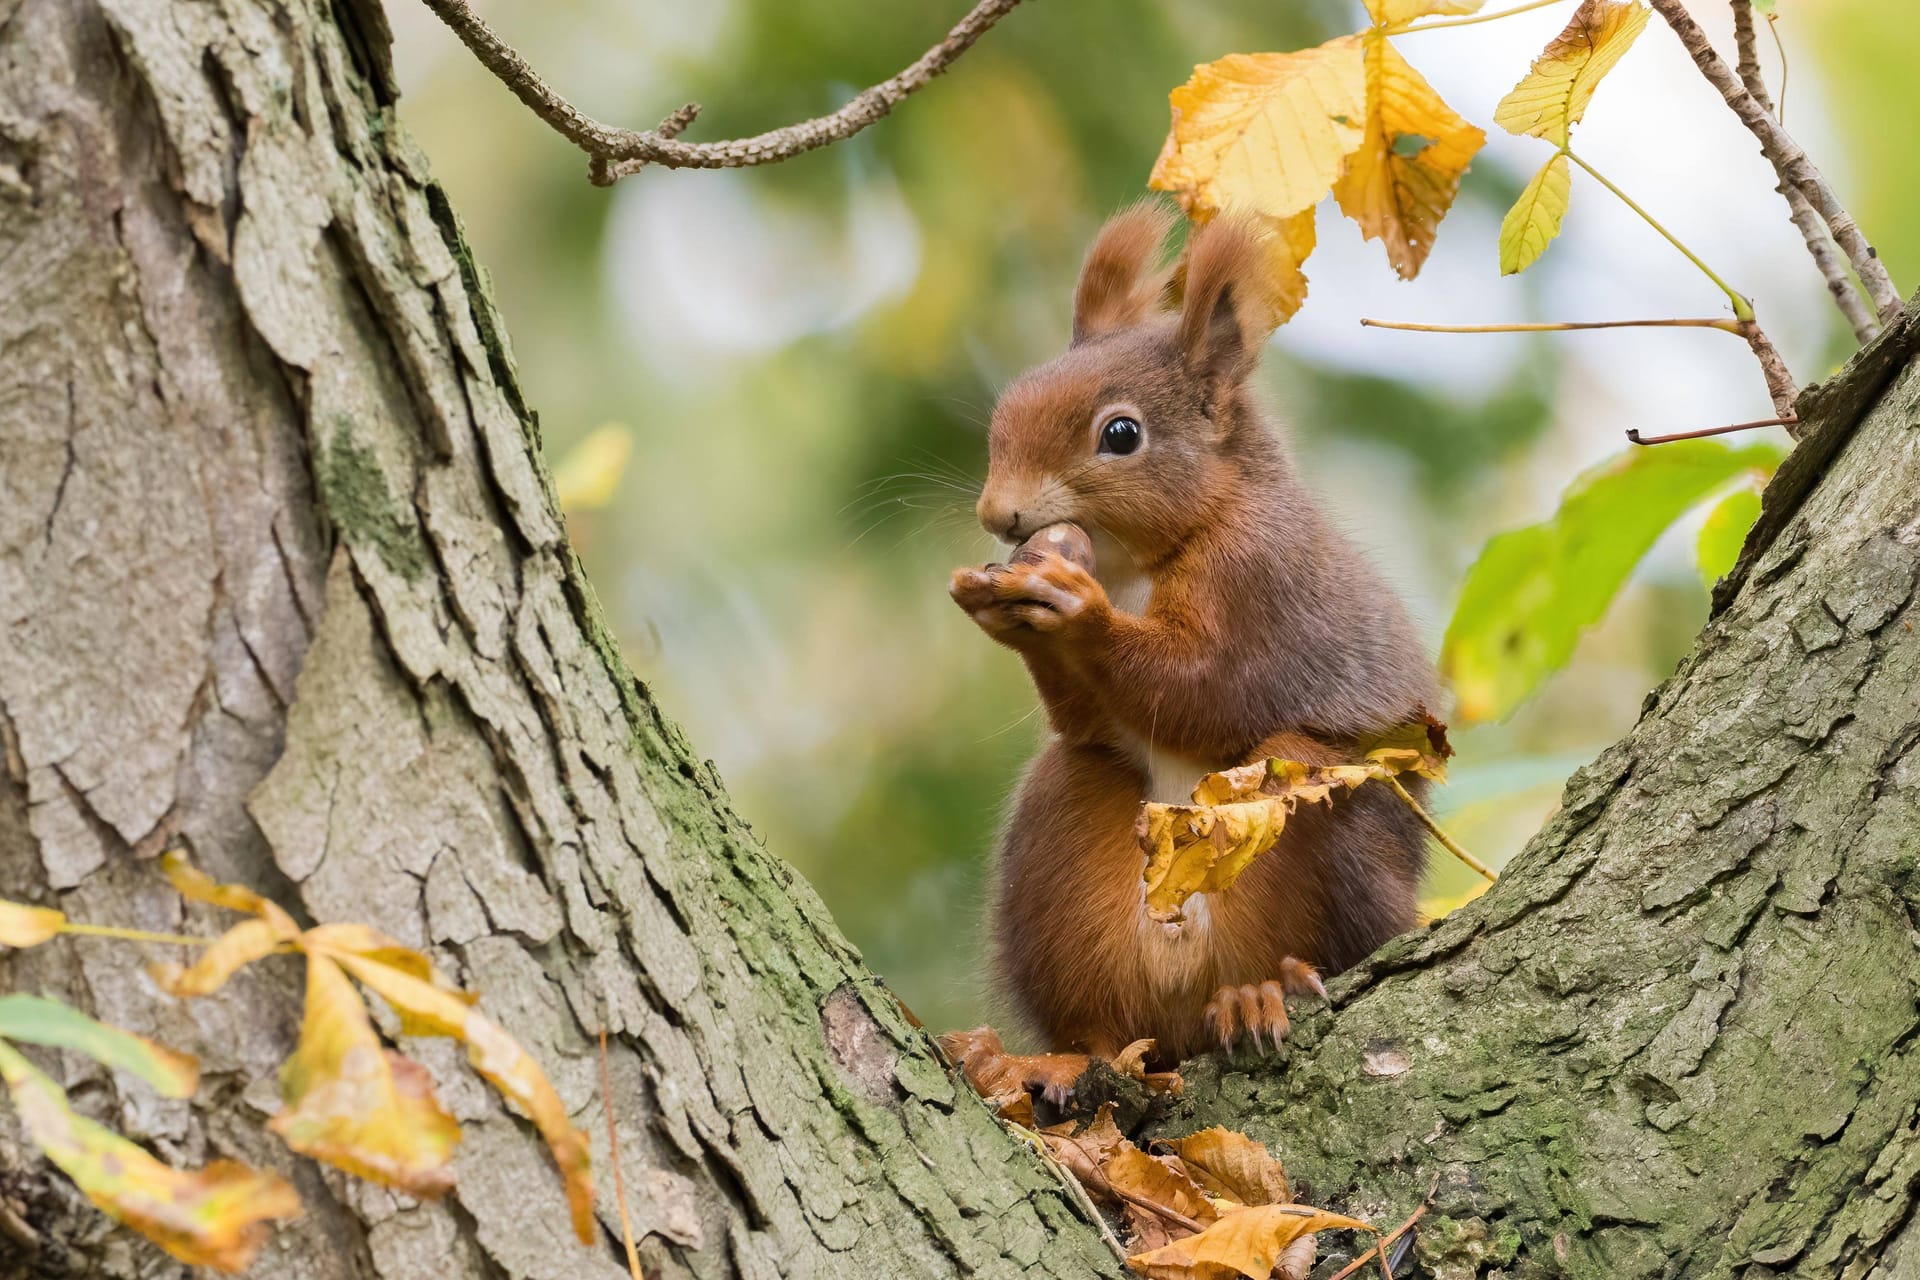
x=1158 y=1198
x=1238 y=814
x=215 y=1217
x=1246 y=1242
x=1232 y=1166
x=25 y=926
x=1083 y=1149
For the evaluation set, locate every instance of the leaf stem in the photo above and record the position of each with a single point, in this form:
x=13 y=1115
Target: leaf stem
x=1451 y=845
x=1386 y=1238
x=133 y=935
x=1742 y=309
x=613 y=1158
x=1469 y=21
x=1561 y=326
x=1633 y=433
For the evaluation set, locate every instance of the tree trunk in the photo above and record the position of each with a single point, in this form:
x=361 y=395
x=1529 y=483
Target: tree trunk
x=1678 y=1038
x=281 y=580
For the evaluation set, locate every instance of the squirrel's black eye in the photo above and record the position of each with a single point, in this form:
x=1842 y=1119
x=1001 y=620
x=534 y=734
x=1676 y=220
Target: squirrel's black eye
x=1120 y=435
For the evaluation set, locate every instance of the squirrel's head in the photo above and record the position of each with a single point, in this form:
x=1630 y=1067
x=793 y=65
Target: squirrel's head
x=1131 y=432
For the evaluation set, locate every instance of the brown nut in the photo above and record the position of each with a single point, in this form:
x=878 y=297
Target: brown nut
x=1065 y=539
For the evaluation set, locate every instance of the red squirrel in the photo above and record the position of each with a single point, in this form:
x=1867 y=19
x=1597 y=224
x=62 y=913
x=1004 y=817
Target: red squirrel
x=1225 y=620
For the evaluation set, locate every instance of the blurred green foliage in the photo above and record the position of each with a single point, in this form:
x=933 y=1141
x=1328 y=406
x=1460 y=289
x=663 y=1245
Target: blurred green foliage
x=805 y=357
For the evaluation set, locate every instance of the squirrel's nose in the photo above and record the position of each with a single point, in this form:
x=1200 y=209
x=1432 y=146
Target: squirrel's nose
x=998 y=519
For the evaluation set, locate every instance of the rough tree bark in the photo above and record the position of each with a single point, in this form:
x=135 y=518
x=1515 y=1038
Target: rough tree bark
x=281 y=579
x=1678 y=1038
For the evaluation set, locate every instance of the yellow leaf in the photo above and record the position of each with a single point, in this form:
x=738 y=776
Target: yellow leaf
x=1397 y=13
x=1245 y=1242
x=498 y=1057
x=1402 y=180
x=1290 y=243
x=25 y=926
x=587 y=477
x=213 y=1218
x=353 y=1104
x=1534 y=220
x=1233 y=1166
x=1553 y=95
x=1134 y=1176
x=1083 y=1149
x=232 y=951
x=196 y=885
x=343 y=940
x=1203 y=850
x=1263 y=131
x=1238 y=814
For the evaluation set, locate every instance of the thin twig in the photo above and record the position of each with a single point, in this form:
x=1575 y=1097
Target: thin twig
x=133 y=935
x=1779 y=47
x=613 y=1159
x=614 y=152
x=1385 y=1240
x=1495 y=16
x=1447 y=842
x=1561 y=326
x=1072 y=1182
x=1805 y=217
x=1742 y=309
x=1788 y=160
x=1789 y=422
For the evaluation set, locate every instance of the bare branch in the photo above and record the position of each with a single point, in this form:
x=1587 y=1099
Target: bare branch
x=1788 y=421
x=1825 y=256
x=614 y=152
x=1788 y=160
x=1779 y=378
x=1736 y=327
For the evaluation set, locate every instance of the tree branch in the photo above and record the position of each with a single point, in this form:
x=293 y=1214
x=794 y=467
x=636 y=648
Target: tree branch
x=614 y=152
x=1788 y=160
x=1840 y=284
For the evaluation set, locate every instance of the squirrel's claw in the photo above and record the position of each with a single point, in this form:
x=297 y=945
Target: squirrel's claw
x=1040 y=596
x=1259 y=1010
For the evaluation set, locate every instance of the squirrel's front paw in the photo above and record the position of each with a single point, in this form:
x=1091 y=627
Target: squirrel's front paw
x=1011 y=600
x=1257 y=1010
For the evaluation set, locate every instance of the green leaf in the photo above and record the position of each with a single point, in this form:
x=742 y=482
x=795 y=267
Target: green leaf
x=1725 y=532
x=1534 y=590
x=215 y=1217
x=38 y=1020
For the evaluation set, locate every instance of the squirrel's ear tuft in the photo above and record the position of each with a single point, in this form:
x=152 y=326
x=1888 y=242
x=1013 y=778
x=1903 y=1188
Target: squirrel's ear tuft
x=1226 y=308
x=1120 y=282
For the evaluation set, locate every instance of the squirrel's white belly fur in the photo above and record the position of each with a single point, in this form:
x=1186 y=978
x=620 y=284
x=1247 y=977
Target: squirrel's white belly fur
x=1173 y=955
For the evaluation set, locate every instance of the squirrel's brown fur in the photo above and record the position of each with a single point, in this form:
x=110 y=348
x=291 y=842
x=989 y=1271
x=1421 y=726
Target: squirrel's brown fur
x=1228 y=621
